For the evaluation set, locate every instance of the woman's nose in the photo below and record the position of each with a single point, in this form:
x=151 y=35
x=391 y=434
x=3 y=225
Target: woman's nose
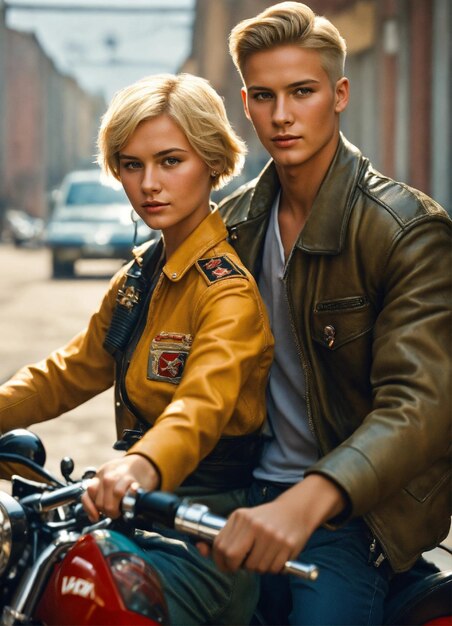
x=150 y=182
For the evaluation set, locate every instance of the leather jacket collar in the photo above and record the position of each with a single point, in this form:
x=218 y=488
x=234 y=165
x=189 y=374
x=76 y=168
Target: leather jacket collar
x=206 y=235
x=324 y=232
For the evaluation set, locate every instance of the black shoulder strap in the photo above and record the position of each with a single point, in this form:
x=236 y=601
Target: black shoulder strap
x=132 y=297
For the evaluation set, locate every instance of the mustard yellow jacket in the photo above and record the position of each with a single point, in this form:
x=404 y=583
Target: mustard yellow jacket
x=199 y=369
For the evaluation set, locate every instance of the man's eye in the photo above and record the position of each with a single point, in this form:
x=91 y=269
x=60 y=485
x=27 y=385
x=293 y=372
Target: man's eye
x=262 y=95
x=171 y=161
x=304 y=91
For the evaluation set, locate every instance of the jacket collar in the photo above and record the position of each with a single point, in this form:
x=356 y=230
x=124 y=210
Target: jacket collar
x=325 y=229
x=210 y=232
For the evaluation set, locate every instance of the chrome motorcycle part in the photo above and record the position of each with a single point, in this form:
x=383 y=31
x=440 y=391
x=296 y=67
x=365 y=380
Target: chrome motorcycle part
x=13 y=532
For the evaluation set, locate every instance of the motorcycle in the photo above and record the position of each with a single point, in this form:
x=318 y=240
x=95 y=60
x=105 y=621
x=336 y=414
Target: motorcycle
x=58 y=568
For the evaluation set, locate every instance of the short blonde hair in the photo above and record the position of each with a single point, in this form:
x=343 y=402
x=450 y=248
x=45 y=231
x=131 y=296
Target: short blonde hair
x=192 y=103
x=289 y=23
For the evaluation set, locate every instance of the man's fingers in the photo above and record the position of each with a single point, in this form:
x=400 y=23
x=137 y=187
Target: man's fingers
x=234 y=542
x=204 y=549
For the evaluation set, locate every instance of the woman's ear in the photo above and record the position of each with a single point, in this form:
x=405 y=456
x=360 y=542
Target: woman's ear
x=342 y=94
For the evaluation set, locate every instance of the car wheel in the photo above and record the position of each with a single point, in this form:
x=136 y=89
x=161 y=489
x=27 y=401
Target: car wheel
x=62 y=268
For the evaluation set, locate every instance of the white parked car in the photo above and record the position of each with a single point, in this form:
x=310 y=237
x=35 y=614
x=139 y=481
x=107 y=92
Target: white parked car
x=91 y=219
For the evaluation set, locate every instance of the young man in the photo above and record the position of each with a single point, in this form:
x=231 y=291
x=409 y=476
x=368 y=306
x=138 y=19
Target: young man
x=355 y=272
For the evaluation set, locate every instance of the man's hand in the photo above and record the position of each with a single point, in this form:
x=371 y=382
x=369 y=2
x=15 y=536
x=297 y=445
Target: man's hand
x=113 y=480
x=264 y=537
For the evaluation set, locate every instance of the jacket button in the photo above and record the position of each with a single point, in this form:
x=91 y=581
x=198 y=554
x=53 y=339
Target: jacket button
x=329 y=336
x=174 y=275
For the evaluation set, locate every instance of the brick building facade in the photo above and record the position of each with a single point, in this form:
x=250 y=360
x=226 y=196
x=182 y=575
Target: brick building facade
x=48 y=123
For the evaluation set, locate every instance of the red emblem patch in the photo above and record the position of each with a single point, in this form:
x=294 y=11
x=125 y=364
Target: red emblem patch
x=220 y=272
x=171 y=364
x=212 y=264
x=219 y=267
x=168 y=355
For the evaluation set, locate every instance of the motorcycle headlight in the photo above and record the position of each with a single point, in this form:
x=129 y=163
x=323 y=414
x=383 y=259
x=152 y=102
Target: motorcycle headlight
x=13 y=532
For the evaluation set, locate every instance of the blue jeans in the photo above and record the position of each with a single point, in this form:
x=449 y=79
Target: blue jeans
x=349 y=590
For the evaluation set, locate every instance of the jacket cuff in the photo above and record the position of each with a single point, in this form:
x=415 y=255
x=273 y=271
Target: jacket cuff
x=168 y=460
x=348 y=468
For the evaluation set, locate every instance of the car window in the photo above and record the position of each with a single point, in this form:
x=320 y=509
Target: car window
x=94 y=193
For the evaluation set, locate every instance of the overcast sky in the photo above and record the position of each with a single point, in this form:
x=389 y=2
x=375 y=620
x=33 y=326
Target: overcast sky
x=105 y=51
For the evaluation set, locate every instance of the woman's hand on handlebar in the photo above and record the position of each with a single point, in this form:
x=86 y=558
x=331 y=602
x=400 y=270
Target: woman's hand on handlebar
x=113 y=480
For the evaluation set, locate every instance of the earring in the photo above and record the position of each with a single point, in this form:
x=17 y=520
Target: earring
x=134 y=219
x=214 y=173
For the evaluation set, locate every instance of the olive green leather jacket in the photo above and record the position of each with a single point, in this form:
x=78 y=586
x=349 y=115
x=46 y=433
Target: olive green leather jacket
x=369 y=286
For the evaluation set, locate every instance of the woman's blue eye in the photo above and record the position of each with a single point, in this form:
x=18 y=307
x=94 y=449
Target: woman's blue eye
x=132 y=165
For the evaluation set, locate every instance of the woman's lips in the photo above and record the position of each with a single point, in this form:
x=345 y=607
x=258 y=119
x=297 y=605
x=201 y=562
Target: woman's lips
x=153 y=207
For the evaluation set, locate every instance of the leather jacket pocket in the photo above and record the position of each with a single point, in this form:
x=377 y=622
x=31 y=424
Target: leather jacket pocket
x=422 y=487
x=337 y=322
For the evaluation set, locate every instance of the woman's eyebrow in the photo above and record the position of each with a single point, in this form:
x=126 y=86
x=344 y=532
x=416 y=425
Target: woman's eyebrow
x=122 y=155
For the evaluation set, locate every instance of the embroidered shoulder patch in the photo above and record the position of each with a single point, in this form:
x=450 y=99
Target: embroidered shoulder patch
x=219 y=267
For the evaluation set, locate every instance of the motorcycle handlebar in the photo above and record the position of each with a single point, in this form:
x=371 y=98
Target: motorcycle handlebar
x=164 y=508
x=193 y=519
x=53 y=499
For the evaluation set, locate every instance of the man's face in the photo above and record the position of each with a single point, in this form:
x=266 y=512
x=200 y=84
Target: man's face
x=292 y=104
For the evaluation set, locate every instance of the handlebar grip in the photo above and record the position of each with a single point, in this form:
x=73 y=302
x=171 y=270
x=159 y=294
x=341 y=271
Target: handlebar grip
x=308 y=572
x=196 y=519
x=159 y=505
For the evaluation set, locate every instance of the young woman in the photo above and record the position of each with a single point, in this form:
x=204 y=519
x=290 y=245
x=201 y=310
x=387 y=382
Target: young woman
x=181 y=333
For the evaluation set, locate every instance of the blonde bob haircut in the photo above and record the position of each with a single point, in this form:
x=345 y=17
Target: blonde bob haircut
x=192 y=103
x=289 y=23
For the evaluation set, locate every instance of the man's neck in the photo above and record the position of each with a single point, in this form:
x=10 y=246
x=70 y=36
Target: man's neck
x=300 y=185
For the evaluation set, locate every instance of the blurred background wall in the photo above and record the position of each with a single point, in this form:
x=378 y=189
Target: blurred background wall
x=399 y=62
x=47 y=123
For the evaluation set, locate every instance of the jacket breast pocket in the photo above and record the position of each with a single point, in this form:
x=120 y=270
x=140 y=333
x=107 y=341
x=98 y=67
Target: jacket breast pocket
x=336 y=323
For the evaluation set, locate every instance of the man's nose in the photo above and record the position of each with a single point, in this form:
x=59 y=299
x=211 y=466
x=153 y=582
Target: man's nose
x=150 y=182
x=282 y=114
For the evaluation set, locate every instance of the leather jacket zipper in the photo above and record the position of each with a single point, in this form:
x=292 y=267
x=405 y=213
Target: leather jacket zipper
x=340 y=305
x=304 y=363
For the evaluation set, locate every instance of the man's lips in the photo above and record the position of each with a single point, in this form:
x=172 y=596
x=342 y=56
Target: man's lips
x=285 y=140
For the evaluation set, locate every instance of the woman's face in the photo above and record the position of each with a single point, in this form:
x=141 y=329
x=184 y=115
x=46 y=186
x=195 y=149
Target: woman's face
x=166 y=181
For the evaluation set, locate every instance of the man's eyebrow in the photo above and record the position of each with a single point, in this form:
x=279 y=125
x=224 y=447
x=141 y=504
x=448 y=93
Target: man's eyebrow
x=298 y=83
x=122 y=155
